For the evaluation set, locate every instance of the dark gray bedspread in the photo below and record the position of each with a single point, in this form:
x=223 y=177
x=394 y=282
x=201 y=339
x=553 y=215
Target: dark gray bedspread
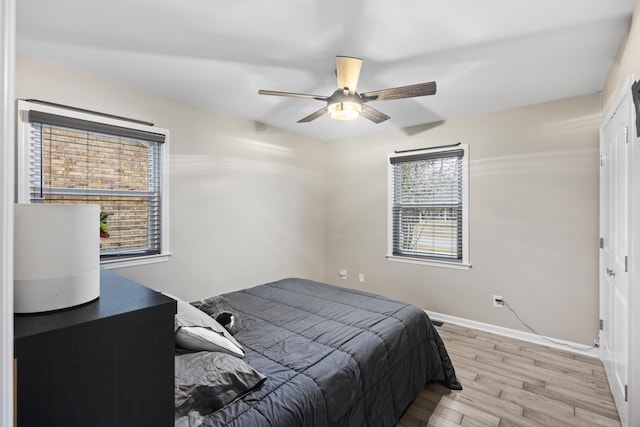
x=332 y=356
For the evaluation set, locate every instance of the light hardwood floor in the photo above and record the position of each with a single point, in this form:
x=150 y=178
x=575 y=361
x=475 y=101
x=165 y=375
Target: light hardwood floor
x=507 y=382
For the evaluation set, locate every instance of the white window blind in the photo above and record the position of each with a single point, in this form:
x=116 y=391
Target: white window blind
x=74 y=160
x=428 y=205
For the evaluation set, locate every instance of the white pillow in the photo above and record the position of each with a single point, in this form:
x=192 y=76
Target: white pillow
x=195 y=330
x=199 y=338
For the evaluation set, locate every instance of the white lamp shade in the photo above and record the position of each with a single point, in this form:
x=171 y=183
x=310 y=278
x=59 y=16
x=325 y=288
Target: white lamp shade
x=56 y=256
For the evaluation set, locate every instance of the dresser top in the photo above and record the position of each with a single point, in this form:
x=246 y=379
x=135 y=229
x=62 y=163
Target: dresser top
x=118 y=295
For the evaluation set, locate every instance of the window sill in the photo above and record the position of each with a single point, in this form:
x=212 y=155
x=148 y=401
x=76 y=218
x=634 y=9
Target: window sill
x=431 y=263
x=110 y=264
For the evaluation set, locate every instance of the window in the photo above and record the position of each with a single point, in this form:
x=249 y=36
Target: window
x=428 y=212
x=68 y=156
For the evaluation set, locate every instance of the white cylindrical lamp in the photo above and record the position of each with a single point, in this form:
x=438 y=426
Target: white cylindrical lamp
x=56 y=256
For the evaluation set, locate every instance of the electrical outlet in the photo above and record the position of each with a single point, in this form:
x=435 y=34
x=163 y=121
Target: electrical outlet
x=498 y=301
x=361 y=277
x=343 y=274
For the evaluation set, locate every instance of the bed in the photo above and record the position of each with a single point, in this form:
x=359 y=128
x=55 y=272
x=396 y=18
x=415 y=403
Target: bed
x=311 y=354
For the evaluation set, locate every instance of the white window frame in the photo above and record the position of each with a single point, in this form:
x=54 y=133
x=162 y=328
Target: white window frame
x=463 y=264
x=22 y=170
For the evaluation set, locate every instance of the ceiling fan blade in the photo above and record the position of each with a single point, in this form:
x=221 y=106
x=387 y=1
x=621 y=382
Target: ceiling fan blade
x=348 y=72
x=372 y=114
x=292 y=94
x=313 y=116
x=411 y=91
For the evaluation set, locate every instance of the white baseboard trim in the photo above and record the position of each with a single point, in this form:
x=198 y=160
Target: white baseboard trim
x=521 y=335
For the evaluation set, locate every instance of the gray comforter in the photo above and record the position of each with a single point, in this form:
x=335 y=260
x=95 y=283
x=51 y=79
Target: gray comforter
x=332 y=356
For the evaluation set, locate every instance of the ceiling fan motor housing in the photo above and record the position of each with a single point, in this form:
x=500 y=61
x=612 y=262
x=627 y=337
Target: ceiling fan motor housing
x=344 y=106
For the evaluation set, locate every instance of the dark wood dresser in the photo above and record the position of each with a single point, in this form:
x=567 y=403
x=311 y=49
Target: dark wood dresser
x=106 y=363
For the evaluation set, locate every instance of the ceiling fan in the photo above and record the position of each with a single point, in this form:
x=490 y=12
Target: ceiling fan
x=347 y=104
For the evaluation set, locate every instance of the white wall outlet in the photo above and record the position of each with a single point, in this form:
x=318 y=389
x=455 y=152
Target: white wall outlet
x=498 y=301
x=343 y=274
x=361 y=277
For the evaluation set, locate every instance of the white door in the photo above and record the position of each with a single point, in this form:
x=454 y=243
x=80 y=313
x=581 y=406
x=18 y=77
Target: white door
x=614 y=232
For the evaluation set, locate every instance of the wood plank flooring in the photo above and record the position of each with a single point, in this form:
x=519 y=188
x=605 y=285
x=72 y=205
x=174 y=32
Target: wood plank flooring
x=507 y=382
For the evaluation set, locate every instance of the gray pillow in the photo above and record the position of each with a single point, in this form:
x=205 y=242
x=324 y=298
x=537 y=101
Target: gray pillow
x=195 y=330
x=208 y=381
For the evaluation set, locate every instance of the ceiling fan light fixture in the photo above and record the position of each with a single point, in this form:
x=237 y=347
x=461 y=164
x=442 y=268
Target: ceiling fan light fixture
x=345 y=110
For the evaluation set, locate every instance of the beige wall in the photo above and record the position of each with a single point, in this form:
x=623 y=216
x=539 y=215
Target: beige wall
x=628 y=63
x=251 y=204
x=533 y=219
x=247 y=201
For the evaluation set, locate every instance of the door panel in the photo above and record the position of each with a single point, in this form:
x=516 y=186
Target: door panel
x=614 y=276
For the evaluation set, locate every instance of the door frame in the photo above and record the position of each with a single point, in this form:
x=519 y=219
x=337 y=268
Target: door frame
x=7 y=144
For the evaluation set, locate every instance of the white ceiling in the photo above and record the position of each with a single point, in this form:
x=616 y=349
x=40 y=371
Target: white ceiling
x=484 y=55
